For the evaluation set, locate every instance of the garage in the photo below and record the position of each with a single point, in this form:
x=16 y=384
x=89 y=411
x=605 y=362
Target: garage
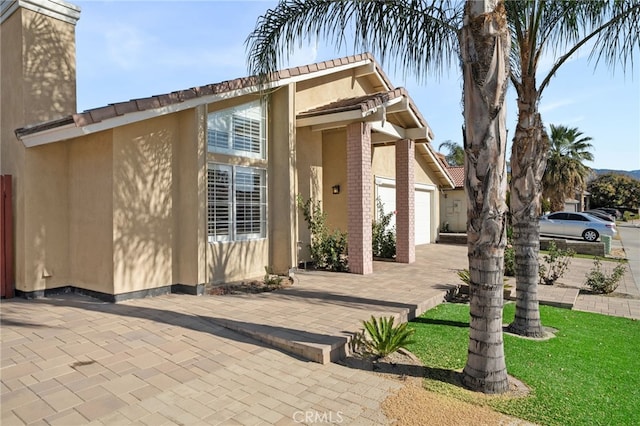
x=386 y=192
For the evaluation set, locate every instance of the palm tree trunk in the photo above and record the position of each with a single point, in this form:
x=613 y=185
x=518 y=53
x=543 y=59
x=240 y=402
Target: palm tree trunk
x=528 y=161
x=485 y=44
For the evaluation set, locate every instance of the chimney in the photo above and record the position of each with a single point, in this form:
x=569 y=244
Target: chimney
x=37 y=60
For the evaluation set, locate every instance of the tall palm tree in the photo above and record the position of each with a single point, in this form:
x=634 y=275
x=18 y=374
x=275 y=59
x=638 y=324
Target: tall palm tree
x=559 y=28
x=455 y=157
x=565 y=172
x=426 y=37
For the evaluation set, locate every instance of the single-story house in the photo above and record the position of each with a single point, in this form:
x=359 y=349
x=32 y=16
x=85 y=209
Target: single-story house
x=171 y=192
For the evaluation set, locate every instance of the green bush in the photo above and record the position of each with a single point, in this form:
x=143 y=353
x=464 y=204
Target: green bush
x=464 y=276
x=601 y=281
x=627 y=216
x=509 y=261
x=383 y=236
x=328 y=250
x=380 y=338
x=556 y=262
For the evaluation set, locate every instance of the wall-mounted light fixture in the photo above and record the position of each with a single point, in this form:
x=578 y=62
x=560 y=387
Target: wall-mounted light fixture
x=335 y=189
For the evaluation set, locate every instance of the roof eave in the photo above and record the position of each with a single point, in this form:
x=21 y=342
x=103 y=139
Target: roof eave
x=57 y=134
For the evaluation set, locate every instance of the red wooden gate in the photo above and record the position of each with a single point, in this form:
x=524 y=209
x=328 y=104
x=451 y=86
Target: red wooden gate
x=6 y=237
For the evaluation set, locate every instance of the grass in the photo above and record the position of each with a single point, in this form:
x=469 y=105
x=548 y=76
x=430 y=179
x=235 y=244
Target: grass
x=588 y=374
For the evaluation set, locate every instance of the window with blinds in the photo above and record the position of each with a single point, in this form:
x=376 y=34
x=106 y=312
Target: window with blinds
x=238 y=131
x=236 y=203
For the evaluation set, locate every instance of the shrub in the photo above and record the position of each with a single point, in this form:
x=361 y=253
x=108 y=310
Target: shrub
x=271 y=279
x=380 y=338
x=509 y=261
x=600 y=281
x=464 y=276
x=384 y=237
x=328 y=250
x=556 y=263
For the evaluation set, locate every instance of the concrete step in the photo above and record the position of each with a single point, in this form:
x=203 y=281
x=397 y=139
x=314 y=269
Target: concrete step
x=311 y=346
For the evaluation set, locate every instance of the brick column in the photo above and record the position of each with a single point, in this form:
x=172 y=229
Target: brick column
x=359 y=198
x=405 y=202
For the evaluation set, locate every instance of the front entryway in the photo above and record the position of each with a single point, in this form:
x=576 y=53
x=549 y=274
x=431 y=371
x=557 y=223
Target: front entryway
x=386 y=192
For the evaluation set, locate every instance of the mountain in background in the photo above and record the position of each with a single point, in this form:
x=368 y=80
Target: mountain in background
x=633 y=173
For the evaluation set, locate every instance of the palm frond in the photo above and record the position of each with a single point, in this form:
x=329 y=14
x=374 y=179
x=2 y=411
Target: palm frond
x=421 y=36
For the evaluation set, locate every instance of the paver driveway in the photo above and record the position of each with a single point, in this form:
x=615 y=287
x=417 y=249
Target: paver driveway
x=71 y=361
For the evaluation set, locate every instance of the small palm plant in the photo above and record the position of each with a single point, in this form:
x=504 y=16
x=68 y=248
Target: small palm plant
x=380 y=338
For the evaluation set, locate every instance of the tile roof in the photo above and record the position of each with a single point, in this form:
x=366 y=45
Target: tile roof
x=364 y=103
x=457 y=173
x=96 y=115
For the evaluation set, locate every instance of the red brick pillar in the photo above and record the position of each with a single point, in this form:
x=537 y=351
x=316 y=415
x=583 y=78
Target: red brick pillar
x=405 y=202
x=359 y=198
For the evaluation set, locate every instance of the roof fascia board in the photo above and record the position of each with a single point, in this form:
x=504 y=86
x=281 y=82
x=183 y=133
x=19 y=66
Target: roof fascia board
x=318 y=121
x=57 y=9
x=398 y=132
x=427 y=152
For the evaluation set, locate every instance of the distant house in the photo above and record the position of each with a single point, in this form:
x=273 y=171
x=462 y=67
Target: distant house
x=171 y=192
x=453 y=202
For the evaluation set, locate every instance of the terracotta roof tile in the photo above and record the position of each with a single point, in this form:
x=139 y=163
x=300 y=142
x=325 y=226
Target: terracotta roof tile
x=125 y=107
x=95 y=115
x=99 y=114
x=457 y=173
x=147 y=103
x=82 y=119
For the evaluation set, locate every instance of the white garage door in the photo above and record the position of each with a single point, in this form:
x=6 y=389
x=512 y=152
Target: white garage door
x=386 y=191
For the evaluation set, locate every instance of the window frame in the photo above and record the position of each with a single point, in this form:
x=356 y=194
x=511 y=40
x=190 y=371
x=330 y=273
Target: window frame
x=234 y=235
x=235 y=124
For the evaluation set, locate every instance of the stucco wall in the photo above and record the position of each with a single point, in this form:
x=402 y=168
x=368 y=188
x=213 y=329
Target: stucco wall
x=236 y=261
x=310 y=175
x=282 y=178
x=189 y=192
x=453 y=210
x=91 y=212
x=334 y=165
x=37 y=84
x=143 y=233
x=321 y=91
x=46 y=218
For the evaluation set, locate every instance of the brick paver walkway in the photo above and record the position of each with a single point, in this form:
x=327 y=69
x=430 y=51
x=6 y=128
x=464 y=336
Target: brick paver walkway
x=168 y=360
x=72 y=361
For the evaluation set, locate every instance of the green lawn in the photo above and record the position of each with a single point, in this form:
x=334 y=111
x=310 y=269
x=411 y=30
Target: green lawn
x=589 y=374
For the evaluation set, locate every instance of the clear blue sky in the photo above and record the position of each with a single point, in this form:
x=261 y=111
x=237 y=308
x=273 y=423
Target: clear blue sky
x=129 y=50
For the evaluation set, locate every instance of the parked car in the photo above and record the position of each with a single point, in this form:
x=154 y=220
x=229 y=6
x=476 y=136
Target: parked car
x=615 y=213
x=575 y=225
x=600 y=214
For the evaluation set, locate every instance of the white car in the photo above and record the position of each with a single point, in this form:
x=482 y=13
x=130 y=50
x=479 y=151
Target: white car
x=576 y=225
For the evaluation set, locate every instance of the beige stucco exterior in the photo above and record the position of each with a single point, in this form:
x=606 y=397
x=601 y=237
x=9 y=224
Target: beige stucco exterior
x=37 y=83
x=120 y=209
x=453 y=210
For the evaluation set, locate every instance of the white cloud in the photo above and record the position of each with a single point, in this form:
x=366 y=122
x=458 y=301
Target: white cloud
x=127 y=47
x=546 y=107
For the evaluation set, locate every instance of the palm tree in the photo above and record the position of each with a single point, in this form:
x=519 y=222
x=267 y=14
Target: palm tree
x=425 y=37
x=540 y=27
x=565 y=173
x=455 y=157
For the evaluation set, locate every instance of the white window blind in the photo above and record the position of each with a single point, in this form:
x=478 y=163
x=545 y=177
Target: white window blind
x=240 y=130
x=236 y=203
